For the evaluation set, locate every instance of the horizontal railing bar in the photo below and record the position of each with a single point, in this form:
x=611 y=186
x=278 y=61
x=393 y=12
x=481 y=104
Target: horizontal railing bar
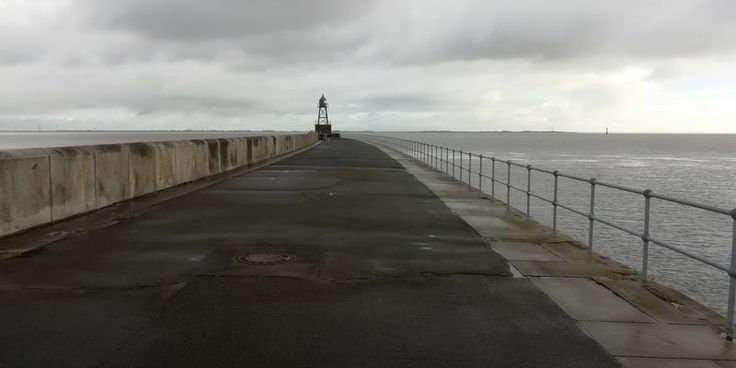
x=691 y=204
x=581 y=213
x=691 y=255
x=523 y=190
x=620 y=187
x=542 y=170
x=617 y=226
x=542 y=198
x=573 y=177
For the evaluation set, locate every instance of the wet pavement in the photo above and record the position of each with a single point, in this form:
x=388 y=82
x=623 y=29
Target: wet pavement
x=336 y=257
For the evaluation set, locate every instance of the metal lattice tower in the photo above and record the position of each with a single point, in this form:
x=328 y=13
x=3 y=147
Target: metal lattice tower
x=322 y=118
x=322 y=127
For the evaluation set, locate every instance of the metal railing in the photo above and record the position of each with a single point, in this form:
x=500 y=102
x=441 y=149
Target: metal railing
x=451 y=162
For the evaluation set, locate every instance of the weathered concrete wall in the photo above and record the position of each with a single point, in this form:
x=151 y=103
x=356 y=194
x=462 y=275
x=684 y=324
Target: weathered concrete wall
x=72 y=171
x=165 y=165
x=39 y=186
x=143 y=178
x=112 y=174
x=25 y=190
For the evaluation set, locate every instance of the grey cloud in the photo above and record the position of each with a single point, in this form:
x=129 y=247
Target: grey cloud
x=188 y=103
x=257 y=34
x=540 y=30
x=416 y=101
x=197 y=20
x=405 y=63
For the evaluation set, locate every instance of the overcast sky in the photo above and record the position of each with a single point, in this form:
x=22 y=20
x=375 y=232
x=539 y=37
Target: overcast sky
x=577 y=65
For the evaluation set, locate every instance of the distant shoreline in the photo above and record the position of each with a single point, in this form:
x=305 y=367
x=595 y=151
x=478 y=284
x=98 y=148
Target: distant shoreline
x=356 y=131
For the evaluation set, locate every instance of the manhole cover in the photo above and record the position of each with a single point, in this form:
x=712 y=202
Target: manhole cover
x=266 y=258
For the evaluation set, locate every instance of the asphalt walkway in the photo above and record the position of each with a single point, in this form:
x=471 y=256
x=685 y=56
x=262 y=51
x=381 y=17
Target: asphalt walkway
x=336 y=257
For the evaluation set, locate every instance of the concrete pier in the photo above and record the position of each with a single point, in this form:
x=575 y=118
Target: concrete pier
x=345 y=255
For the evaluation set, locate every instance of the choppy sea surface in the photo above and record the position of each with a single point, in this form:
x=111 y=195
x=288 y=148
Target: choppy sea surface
x=696 y=167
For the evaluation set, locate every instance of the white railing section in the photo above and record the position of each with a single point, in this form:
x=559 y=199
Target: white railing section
x=458 y=164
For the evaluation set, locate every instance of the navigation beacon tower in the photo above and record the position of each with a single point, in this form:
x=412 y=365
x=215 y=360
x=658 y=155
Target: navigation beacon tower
x=322 y=127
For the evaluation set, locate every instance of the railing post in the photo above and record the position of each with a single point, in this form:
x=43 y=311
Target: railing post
x=461 y=166
x=732 y=281
x=453 y=163
x=528 y=190
x=645 y=236
x=591 y=214
x=431 y=156
x=447 y=161
x=493 y=178
x=554 y=203
x=470 y=171
x=438 y=158
x=508 y=186
x=480 y=173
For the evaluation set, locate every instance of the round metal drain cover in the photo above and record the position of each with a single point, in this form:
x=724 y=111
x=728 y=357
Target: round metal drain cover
x=266 y=258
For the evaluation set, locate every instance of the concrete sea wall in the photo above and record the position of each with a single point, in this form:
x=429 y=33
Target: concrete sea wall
x=40 y=186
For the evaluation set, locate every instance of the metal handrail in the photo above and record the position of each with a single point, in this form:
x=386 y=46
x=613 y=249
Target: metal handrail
x=432 y=155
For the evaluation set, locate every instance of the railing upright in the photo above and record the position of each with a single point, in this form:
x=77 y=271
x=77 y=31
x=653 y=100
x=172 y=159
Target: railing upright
x=460 y=171
x=645 y=236
x=528 y=190
x=554 y=203
x=470 y=171
x=493 y=178
x=480 y=173
x=453 y=162
x=591 y=215
x=447 y=161
x=431 y=155
x=508 y=186
x=732 y=278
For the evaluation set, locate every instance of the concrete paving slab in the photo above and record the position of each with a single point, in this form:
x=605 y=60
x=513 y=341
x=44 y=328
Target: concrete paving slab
x=585 y=300
x=660 y=341
x=571 y=253
x=524 y=252
x=487 y=223
x=474 y=207
x=726 y=364
x=516 y=235
x=569 y=269
x=628 y=362
x=660 y=310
